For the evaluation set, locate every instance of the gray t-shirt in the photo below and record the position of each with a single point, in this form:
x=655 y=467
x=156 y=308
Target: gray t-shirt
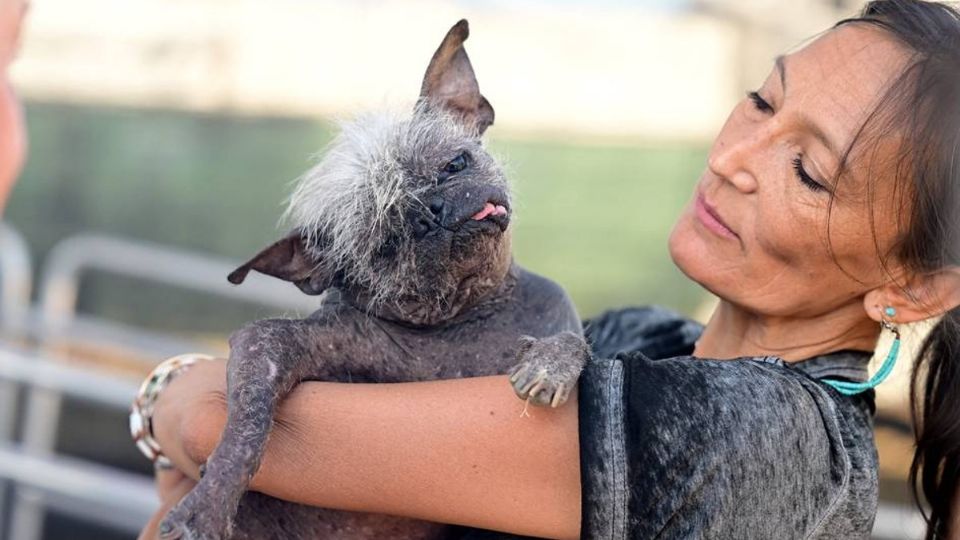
x=674 y=446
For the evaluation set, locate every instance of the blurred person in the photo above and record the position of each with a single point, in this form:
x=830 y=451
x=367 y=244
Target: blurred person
x=827 y=214
x=13 y=135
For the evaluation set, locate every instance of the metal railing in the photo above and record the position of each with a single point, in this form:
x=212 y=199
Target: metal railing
x=74 y=486
x=57 y=320
x=16 y=283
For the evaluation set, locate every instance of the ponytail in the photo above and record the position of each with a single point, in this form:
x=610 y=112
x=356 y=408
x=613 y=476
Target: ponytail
x=935 y=470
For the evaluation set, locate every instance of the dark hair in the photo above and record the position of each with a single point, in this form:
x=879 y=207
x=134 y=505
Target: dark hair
x=923 y=105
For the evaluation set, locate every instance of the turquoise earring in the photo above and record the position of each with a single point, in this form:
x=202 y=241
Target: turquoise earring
x=851 y=388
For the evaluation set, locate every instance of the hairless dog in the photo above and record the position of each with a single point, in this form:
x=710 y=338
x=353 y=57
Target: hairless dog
x=403 y=227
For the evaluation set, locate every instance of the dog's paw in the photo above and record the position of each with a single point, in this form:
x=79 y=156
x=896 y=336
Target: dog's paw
x=547 y=369
x=194 y=518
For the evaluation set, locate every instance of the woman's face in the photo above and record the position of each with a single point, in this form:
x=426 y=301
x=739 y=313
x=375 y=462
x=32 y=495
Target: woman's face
x=13 y=140
x=755 y=232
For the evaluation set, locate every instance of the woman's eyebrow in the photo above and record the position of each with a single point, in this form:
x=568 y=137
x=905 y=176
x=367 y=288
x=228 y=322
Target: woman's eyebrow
x=815 y=129
x=779 y=62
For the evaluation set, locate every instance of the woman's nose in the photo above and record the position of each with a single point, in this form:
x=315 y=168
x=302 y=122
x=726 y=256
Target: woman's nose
x=737 y=160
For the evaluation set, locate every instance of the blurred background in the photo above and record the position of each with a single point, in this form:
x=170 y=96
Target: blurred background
x=165 y=135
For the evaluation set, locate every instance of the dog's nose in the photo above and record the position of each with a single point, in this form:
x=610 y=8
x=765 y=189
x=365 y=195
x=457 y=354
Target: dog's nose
x=422 y=226
x=437 y=206
x=425 y=224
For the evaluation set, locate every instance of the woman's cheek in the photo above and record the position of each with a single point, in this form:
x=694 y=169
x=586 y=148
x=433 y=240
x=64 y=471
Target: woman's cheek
x=784 y=245
x=793 y=236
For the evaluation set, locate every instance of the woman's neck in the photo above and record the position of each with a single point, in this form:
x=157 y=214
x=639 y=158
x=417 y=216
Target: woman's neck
x=734 y=332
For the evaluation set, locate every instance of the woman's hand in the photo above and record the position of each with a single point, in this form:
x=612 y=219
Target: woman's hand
x=459 y=451
x=190 y=413
x=172 y=485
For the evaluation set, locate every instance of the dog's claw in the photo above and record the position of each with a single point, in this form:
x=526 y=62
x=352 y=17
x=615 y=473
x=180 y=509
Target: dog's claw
x=518 y=371
x=560 y=396
x=548 y=369
x=169 y=531
x=527 y=389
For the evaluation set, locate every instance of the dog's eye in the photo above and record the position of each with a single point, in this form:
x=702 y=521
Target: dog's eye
x=457 y=164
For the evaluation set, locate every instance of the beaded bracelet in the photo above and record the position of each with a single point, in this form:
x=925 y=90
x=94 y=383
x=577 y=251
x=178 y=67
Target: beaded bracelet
x=141 y=411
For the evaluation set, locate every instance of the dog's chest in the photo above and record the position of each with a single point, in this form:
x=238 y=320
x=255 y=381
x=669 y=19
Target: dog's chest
x=481 y=342
x=470 y=350
x=383 y=351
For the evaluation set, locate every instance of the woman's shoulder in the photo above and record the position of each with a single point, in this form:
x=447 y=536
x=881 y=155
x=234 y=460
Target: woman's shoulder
x=738 y=448
x=749 y=399
x=655 y=331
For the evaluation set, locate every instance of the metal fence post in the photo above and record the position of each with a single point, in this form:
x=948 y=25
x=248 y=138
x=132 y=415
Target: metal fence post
x=16 y=282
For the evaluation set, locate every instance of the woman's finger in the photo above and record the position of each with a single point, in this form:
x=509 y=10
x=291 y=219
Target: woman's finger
x=172 y=485
x=168 y=480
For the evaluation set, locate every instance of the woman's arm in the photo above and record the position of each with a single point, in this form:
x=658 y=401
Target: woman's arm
x=458 y=451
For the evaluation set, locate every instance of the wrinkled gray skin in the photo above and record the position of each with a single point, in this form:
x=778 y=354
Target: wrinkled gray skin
x=415 y=288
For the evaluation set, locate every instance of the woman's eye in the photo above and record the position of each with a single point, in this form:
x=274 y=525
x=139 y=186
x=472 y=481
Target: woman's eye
x=804 y=177
x=457 y=164
x=761 y=104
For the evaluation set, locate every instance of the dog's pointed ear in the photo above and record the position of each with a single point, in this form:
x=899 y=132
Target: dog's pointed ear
x=288 y=259
x=451 y=83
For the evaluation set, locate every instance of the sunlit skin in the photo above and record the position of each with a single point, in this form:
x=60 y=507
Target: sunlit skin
x=781 y=293
x=13 y=142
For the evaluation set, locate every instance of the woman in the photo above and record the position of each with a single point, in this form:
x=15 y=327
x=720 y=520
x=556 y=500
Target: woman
x=828 y=210
x=13 y=140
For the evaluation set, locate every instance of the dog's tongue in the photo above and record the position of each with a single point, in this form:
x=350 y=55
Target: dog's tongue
x=490 y=209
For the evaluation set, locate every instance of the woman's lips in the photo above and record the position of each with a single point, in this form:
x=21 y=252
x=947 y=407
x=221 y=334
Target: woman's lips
x=711 y=220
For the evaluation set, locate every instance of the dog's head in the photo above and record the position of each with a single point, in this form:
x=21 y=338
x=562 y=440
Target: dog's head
x=407 y=215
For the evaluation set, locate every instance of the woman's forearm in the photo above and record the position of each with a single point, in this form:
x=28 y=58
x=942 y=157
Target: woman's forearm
x=458 y=451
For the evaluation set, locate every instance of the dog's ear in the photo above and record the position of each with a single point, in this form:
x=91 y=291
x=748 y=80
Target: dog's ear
x=287 y=259
x=451 y=83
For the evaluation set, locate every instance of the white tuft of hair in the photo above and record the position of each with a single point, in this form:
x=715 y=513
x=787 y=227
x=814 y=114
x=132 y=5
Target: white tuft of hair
x=356 y=196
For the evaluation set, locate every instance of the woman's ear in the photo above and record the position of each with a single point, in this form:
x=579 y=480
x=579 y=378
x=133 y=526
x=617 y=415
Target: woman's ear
x=922 y=297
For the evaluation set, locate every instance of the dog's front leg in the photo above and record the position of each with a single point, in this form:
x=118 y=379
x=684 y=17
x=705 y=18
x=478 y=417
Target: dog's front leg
x=267 y=359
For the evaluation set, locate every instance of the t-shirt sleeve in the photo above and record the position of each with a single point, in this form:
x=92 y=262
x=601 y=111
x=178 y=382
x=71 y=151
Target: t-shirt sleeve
x=689 y=448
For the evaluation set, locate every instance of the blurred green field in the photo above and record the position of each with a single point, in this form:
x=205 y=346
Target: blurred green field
x=593 y=217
